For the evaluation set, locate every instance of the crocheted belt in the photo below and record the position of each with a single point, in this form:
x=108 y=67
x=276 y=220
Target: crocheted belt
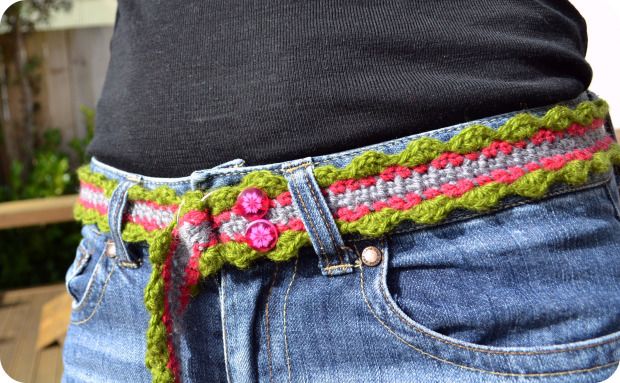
x=191 y=236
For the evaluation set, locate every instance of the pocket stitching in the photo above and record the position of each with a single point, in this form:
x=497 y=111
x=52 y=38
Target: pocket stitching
x=612 y=200
x=89 y=285
x=532 y=375
x=103 y=288
x=409 y=322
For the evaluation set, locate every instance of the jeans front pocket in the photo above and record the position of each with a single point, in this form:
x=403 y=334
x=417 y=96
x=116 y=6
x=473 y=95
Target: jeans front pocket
x=532 y=290
x=87 y=277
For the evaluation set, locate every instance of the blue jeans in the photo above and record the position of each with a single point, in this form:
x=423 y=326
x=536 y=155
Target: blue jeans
x=526 y=292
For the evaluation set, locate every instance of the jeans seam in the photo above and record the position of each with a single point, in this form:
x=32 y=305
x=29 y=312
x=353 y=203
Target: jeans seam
x=613 y=202
x=286 y=295
x=267 y=330
x=89 y=285
x=435 y=357
x=224 y=332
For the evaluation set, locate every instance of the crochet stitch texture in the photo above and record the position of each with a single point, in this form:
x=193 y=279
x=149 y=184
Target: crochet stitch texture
x=192 y=236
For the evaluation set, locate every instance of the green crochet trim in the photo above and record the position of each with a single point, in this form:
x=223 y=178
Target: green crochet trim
x=90 y=217
x=157 y=355
x=86 y=175
x=162 y=195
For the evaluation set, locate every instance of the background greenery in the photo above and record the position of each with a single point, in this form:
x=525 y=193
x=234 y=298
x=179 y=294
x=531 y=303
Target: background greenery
x=39 y=255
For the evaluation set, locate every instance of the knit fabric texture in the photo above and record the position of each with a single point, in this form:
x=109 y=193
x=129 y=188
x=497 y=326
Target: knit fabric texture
x=191 y=236
x=195 y=83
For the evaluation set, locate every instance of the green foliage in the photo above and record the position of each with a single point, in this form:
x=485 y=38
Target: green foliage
x=38 y=255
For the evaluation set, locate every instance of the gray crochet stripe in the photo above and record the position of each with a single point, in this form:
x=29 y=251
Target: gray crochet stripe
x=94 y=197
x=189 y=235
x=433 y=178
x=142 y=211
x=139 y=210
x=278 y=215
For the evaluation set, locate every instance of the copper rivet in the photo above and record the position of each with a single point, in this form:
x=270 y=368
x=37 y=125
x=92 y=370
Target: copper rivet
x=110 y=249
x=371 y=256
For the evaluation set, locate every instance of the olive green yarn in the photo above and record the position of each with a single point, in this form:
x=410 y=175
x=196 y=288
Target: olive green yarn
x=157 y=355
x=86 y=175
x=90 y=216
x=470 y=139
x=242 y=256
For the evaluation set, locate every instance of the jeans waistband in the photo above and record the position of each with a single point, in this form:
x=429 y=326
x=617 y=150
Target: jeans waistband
x=235 y=214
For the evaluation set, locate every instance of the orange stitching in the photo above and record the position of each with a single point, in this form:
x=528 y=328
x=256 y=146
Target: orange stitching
x=345 y=266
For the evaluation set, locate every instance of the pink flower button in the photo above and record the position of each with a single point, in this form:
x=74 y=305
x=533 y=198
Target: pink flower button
x=261 y=235
x=252 y=203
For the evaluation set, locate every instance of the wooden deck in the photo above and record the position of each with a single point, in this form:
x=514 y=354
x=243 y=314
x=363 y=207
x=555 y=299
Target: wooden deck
x=20 y=317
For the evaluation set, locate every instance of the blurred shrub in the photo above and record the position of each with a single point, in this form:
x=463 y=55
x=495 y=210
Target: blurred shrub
x=42 y=254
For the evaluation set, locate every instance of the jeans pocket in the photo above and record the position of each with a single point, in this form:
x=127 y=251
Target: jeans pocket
x=530 y=290
x=89 y=274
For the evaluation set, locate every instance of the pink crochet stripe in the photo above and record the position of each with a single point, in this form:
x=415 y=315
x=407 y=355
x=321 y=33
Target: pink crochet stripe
x=173 y=363
x=101 y=209
x=91 y=187
x=506 y=176
x=456 y=159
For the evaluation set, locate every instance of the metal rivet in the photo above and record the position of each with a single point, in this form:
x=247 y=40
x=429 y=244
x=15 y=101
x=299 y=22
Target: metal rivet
x=110 y=249
x=371 y=256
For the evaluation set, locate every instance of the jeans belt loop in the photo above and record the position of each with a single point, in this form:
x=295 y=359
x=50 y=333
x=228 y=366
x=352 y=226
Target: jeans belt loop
x=334 y=257
x=117 y=205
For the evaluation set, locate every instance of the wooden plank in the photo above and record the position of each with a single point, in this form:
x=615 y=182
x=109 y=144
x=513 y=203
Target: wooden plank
x=36 y=211
x=47 y=366
x=55 y=316
x=20 y=311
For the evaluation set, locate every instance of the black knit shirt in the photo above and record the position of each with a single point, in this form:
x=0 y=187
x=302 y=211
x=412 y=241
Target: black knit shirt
x=195 y=83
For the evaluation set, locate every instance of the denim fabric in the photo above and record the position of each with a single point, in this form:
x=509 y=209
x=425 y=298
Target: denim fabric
x=527 y=292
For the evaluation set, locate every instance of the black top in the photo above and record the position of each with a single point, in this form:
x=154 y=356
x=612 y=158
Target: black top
x=195 y=83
